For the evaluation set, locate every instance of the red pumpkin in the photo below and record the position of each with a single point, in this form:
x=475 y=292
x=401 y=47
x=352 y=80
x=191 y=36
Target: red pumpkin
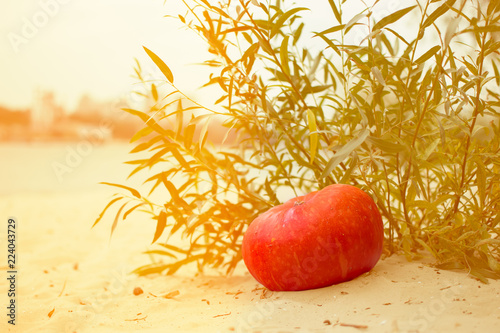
x=317 y=240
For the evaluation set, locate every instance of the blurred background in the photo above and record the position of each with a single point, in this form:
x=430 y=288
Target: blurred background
x=67 y=68
x=67 y=63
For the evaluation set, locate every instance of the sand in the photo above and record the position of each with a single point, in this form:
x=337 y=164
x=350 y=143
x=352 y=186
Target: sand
x=72 y=278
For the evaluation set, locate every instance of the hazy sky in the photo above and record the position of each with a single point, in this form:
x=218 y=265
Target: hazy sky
x=82 y=46
x=74 y=47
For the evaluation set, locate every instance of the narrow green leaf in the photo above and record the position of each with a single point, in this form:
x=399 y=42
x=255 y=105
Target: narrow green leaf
x=424 y=204
x=354 y=21
x=481 y=181
x=173 y=248
x=330 y=44
x=172 y=268
x=385 y=145
x=470 y=66
x=207 y=4
x=427 y=55
x=465 y=235
x=203 y=134
x=494 y=271
x=488 y=28
x=251 y=51
x=392 y=18
x=134 y=192
x=332 y=29
x=442 y=133
x=237 y=29
x=284 y=55
x=248 y=38
x=179 y=158
x=282 y=19
x=497 y=73
x=150 y=269
x=160 y=226
x=488 y=241
x=270 y=192
x=425 y=246
x=264 y=44
x=174 y=193
x=188 y=135
x=343 y=152
x=141 y=133
x=154 y=91
x=313 y=135
x=296 y=156
x=228 y=132
x=145 y=145
x=263 y=24
x=429 y=149
x=148 y=120
x=160 y=252
x=297 y=33
x=450 y=265
x=491 y=48
x=401 y=38
x=132 y=209
x=492 y=7
x=179 y=120
x=450 y=32
x=482 y=274
x=161 y=65
x=438 y=94
x=220 y=99
x=388 y=44
x=359 y=62
x=467 y=86
x=317 y=89
x=117 y=217
x=437 y=13
x=336 y=11
x=105 y=209
x=350 y=168
x=378 y=75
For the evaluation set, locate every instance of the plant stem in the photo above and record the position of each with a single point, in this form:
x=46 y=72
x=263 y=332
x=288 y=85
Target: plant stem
x=406 y=176
x=473 y=122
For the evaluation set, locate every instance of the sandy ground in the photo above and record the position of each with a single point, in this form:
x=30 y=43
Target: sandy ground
x=72 y=278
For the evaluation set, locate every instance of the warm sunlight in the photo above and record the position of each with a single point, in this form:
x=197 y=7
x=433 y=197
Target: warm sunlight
x=250 y=166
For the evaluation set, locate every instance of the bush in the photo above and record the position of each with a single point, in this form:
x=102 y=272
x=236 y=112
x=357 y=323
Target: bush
x=410 y=116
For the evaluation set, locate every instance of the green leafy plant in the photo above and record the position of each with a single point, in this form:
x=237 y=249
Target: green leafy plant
x=410 y=116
